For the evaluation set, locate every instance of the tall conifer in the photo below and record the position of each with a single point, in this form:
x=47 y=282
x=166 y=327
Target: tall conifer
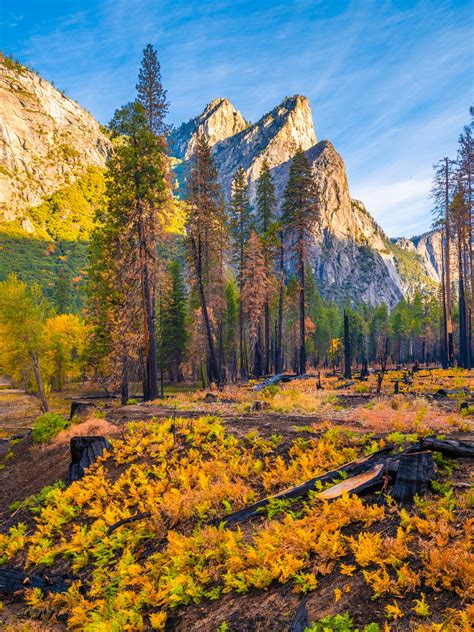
x=300 y=211
x=240 y=225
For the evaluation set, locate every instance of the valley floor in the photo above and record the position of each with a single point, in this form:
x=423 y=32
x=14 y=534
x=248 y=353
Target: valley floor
x=303 y=558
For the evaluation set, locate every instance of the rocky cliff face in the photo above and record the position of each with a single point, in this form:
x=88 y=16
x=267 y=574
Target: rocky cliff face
x=46 y=140
x=350 y=256
x=219 y=121
x=428 y=248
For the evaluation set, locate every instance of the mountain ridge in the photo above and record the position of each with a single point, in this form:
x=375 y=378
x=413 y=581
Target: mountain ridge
x=48 y=142
x=348 y=243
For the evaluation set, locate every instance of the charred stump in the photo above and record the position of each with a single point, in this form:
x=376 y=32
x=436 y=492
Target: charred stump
x=415 y=471
x=84 y=452
x=81 y=409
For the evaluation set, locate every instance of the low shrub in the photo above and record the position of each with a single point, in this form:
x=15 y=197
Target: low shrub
x=47 y=426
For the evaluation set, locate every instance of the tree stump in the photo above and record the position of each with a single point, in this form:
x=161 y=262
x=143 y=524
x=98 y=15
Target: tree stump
x=396 y=389
x=415 y=472
x=81 y=409
x=259 y=405
x=84 y=452
x=210 y=397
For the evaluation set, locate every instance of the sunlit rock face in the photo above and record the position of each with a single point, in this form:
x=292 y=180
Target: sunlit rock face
x=428 y=248
x=350 y=255
x=46 y=140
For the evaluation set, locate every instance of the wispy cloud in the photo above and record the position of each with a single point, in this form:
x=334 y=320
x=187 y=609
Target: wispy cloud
x=390 y=83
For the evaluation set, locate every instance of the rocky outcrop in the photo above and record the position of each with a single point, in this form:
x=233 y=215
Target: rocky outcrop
x=46 y=140
x=219 y=121
x=350 y=255
x=276 y=136
x=428 y=248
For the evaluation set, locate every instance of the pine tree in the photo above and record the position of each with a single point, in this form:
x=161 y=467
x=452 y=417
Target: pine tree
x=441 y=193
x=240 y=225
x=253 y=296
x=265 y=219
x=137 y=192
x=460 y=213
x=300 y=212
x=151 y=93
x=205 y=233
x=465 y=173
x=232 y=307
x=174 y=321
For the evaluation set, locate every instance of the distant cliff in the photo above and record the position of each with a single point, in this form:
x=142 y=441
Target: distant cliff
x=46 y=141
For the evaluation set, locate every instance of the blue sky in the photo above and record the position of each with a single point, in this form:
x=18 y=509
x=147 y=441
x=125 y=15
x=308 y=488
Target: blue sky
x=390 y=83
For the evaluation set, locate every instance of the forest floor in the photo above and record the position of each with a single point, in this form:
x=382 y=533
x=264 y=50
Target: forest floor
x=302 y=432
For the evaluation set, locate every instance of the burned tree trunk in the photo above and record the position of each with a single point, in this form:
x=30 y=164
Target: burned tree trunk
x=14 y=581
x=84 y=452
x=415 y=471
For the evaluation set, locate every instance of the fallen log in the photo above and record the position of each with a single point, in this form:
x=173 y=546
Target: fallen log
x=280 y=377
x=275 y=379
x=119 y=523
x=14 y=581
x=345 y=385
x=352 y=469
x=84 y=452
x=363 y=482
x=301 y=620
x=450 y=447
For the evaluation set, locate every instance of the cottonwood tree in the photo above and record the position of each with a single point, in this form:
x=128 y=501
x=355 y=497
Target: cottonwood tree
x=300 y=212
x=240 y=221
x=65 y=338
x=204 y=235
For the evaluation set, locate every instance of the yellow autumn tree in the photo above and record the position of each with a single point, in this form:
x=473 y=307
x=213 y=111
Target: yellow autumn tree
x=23 y=312
x=65 y=337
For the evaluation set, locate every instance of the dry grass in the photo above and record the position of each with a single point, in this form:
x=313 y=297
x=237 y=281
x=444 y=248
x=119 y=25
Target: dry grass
x=92 y=426
x=407 y=415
